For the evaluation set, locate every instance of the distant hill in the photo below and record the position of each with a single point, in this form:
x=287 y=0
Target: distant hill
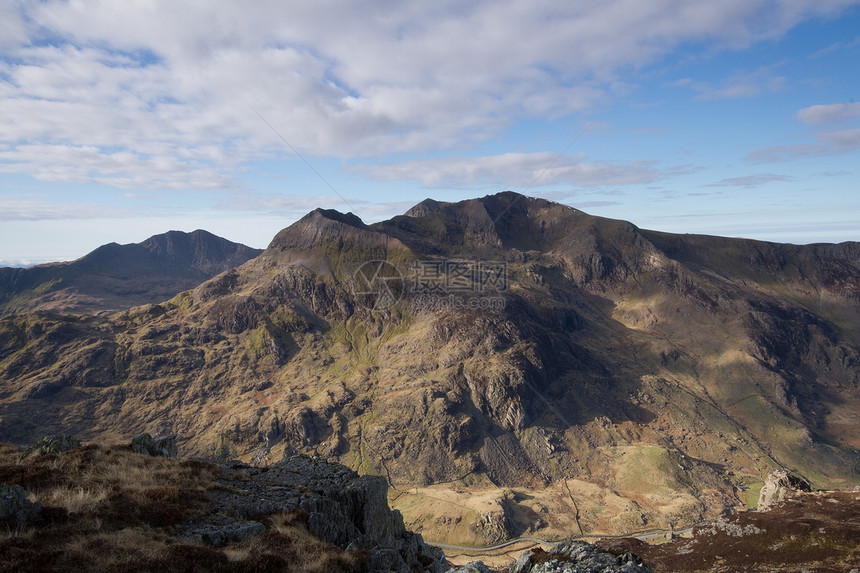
x=115 y=277
x=512 y=366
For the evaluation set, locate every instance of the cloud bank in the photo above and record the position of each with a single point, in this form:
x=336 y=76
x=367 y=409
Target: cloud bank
x=164 y=95
x=511 y=170
x=828 y=141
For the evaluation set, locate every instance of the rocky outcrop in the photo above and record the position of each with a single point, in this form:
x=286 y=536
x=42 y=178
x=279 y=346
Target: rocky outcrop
x=334 y=503
x=567 y=557
x=779 y=486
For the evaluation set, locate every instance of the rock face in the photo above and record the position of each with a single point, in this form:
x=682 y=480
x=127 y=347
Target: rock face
x=780 y=485
x=337 y=505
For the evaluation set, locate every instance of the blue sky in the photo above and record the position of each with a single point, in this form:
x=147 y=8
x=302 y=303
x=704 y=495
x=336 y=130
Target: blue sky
x=120 y=120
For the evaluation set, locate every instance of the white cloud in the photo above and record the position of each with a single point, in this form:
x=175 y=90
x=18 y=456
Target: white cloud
x=122 y=169
x=511 y=170
x=38 y=210
x=842 y=141
x=829 y=143
x=162 y=95
x=751 y=180
x=12 y=27
x=837 y=46
x=741 y=84
x=387 y=210
x=285 y=205
x=778 y=153
x=832 y=113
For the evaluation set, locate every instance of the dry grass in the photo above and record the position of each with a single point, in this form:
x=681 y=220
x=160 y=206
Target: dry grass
x=110 y=509
x=288 y=546
x=73 y=500
x=11 y=530
x=118 y=549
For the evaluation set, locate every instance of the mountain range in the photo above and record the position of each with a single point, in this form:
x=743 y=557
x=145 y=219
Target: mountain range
x=115 y=277
x=512 y=366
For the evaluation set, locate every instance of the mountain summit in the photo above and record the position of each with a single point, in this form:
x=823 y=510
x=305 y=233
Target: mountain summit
x=115 y=277
x=511 y=365
x=318 y=225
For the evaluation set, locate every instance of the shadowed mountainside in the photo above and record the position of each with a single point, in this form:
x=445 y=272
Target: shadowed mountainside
x=572 y=373
x=115 y=277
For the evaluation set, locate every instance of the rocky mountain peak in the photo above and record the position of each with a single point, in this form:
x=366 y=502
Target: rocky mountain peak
x=114 y=276
x=500 y=222
x=425 y=207
x=349 y=218
x=319 y=226
x=198 y=250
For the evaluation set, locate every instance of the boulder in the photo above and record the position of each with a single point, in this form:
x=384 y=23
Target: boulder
x=778 y=486
x=523 y=562
x=15 y=504
x=145 y=444
x=166 y=447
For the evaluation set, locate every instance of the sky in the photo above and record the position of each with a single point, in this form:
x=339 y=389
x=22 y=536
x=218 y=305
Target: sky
x=124 y=119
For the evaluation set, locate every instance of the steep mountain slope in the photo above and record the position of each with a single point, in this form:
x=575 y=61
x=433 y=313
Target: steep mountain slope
x=514 y=366
x=115 y=277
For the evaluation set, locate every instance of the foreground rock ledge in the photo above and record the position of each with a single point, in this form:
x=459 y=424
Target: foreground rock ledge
x=115 y=508
x=341 y=507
